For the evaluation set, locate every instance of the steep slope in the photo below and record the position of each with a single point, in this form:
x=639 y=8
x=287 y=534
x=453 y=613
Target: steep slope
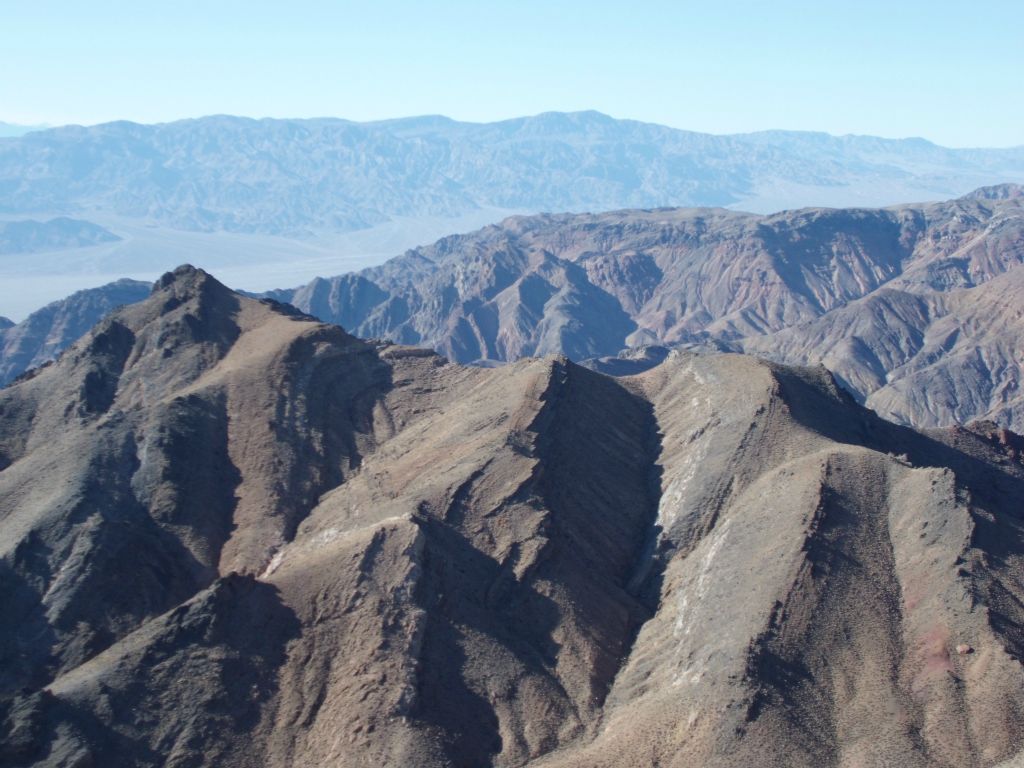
x=828 y=594
x=47 y=332
x=231 y=535
x=922 y=358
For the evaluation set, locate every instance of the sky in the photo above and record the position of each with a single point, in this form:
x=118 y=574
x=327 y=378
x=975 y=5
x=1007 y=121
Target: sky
x=946 y=71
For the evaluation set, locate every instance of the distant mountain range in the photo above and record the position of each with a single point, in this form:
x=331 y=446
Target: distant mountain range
x=29 y=236
x=916 y=308
x=298 y=177
x=268 y=203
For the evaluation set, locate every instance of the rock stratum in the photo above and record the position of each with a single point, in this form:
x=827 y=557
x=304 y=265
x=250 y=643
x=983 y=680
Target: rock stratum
x=231 y=535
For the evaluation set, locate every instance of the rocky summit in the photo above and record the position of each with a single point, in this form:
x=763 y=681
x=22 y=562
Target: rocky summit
x=232 y=535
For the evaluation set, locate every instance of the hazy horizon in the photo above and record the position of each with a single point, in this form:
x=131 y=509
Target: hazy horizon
x=879 y=69
x=46 y=126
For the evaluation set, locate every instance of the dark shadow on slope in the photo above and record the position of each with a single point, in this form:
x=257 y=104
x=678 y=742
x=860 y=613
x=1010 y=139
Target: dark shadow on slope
x=598 y=446
x=26 y=637
x=597 y=485
x=189 y=694
x=453 y=593
x=991 y=485
x=323 y=435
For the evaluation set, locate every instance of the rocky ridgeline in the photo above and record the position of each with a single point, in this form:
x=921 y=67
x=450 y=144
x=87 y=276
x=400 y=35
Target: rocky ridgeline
x=232 y=535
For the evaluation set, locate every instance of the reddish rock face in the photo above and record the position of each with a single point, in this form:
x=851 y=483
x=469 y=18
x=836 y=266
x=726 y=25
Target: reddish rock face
x=915 y=308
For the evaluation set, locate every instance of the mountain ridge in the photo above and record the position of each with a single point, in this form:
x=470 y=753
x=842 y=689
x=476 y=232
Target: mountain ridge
x=705 y=276
x=455 y=167
x=344 y=551
x=893 y=300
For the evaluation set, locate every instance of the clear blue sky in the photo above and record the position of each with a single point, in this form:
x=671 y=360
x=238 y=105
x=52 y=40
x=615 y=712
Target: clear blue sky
x=948 y=71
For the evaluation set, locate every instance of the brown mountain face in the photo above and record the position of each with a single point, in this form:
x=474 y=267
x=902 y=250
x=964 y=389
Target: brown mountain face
x=231 y=535
x=922 y=357
x=915 y=306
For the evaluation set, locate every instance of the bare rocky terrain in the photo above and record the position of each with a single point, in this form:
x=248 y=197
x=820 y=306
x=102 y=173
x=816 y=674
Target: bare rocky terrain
x=232 y=535
x=915 y=308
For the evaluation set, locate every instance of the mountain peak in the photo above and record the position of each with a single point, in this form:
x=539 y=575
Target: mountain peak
x=184 y=273
x=997 y=192
x=188 y=282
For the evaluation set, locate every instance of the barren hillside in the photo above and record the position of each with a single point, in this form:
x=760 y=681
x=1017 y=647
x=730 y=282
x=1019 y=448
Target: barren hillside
x=231 y=535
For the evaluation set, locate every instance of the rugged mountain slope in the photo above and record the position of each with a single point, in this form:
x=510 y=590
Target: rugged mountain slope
x=884 y=296
x=932 y=358
x=915 y=302
x=49 y=331
x=663 y=276
x=300 y=177
x=231 y=535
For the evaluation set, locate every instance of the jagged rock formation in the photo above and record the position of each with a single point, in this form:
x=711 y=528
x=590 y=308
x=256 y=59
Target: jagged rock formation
x=231 y=535
x=913 y=306
x=47 y=332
